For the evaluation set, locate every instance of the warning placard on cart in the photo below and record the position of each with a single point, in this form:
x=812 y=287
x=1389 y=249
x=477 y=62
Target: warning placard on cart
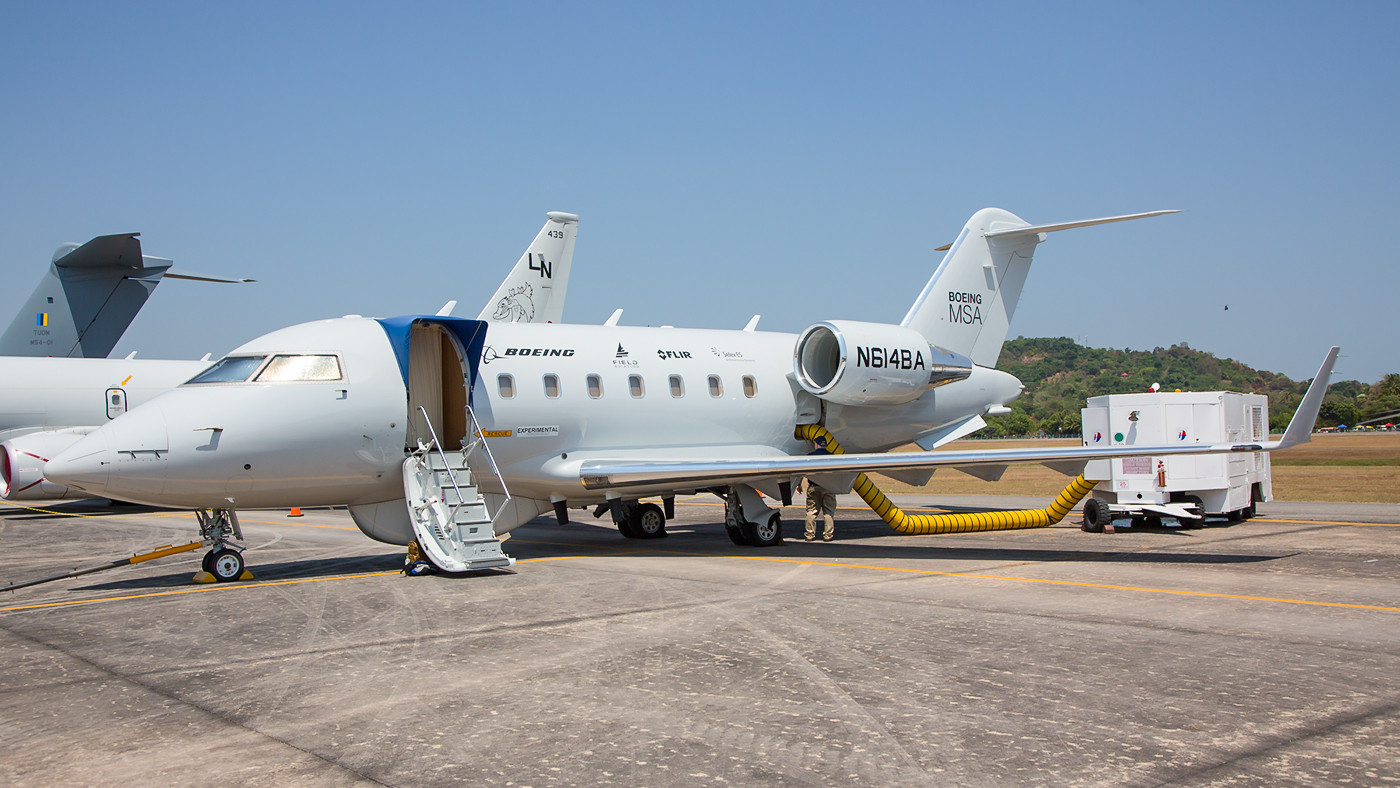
x=1142 y=465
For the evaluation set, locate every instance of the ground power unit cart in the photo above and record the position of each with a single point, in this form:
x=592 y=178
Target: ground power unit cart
x=1184 y=489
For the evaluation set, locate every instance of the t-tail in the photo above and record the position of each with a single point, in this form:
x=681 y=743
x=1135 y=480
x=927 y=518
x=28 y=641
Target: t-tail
x=534 y=290
x=88 y=298
x=968 y=303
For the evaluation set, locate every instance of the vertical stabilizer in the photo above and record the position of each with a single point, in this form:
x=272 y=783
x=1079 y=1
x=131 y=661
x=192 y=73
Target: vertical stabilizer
x=967 y=305
x=534 y=290
x=86 y=300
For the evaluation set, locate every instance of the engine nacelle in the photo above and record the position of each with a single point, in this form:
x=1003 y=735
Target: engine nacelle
x=853 y=363
x=22 y=462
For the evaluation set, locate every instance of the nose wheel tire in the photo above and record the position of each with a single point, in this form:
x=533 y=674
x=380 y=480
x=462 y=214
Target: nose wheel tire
x=225 y=565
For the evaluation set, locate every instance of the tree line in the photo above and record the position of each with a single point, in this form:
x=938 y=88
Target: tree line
x=1060 y=375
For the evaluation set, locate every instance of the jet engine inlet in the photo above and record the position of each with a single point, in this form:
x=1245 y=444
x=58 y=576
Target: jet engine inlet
x=852 y=363
x=954 y=523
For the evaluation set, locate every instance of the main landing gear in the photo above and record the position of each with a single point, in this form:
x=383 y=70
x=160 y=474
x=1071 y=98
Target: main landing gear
x=637 y=520
x=765 y=529
x=223 y=564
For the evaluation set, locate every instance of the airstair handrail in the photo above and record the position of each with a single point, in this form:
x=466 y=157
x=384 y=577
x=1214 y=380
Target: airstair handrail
x=447 y=466
x=481 y=438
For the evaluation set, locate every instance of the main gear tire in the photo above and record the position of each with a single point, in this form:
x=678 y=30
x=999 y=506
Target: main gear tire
x=768 y=533
x=648 y=521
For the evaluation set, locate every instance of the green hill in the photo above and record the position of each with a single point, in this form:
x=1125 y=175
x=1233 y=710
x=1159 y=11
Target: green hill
x=1060 y=375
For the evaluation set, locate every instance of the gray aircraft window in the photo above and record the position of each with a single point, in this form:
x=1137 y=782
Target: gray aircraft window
x=634 y=385
x=750 y=386
x=551 y=386
x=677 y=386
x=716 y=388
x=302 y=367
x=506 y=385
x=230 y=369
x=595 y=386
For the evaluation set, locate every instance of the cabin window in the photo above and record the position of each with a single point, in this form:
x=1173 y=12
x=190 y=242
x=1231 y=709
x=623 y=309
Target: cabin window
x=230 y=369
x=716 y=388
x=750 y=386
x=634 y=385
x=506 y=385
x=677 y=386
x=551 y=386
x=595 y=386
x=282 y=369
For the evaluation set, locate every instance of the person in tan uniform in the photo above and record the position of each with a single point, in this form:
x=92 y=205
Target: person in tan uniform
x=821 y=502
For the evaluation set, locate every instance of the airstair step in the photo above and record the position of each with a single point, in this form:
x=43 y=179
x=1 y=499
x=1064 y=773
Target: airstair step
x=450 y=517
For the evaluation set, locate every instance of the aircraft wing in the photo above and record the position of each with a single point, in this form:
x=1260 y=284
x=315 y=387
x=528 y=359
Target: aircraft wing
x=602 y=473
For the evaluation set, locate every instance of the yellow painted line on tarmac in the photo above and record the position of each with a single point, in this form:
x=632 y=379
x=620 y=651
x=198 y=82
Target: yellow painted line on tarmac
x=1322 y=522
x=861 y=507
x=246 y=587
x=1073 y=583
x=106 y=516
x=299 y=525
x=200 y=589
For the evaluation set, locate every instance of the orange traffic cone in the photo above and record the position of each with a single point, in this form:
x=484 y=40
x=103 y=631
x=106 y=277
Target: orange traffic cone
x=295 y=512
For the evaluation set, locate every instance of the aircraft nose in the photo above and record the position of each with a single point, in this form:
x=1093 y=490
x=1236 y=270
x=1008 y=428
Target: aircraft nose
x=84 y=465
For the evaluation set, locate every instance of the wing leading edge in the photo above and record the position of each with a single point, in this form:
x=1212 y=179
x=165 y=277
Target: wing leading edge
x=601 y=474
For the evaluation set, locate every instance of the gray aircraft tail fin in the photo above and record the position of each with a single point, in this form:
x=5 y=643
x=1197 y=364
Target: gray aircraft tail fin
x=88 y=298
x=968 y=303
x=534 y=290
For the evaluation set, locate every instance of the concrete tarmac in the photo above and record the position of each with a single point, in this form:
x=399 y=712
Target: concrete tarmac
x=1259 y=653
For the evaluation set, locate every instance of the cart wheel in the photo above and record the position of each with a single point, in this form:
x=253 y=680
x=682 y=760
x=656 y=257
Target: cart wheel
x=1096 y=516
x=1200 y=507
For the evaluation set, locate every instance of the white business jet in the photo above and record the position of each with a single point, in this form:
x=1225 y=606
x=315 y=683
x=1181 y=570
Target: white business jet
x=442 y=433
x=48 y=404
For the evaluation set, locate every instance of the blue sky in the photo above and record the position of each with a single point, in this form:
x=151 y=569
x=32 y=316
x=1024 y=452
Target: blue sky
x=799 y=161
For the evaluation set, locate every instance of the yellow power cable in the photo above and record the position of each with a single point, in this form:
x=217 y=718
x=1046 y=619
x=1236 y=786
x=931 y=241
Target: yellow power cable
x=904 y=523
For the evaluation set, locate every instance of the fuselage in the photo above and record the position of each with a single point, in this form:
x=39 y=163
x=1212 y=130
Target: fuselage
x=546 y=397
x=52 y=393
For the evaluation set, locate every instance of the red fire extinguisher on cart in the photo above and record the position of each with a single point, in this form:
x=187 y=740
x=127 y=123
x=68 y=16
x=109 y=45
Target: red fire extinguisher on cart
x=1161 y=474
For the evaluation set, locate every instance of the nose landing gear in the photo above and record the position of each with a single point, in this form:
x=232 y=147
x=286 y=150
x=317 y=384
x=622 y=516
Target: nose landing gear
x=224 y=563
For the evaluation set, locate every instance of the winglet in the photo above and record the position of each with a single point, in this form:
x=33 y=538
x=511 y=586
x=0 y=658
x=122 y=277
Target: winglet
x=1301 y=426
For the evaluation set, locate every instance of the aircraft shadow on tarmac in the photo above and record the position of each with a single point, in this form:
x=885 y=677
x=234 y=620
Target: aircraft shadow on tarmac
x=687 y=540
x=308 y=569
x=82 y=508
x=543 y=537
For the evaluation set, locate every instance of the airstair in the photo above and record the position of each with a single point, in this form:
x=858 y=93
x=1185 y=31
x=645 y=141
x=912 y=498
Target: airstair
x=455 y=531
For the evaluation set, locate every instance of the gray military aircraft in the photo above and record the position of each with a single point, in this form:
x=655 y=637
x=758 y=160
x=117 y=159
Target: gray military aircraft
x=443 y=433
x=88 y=298
x=47 y=404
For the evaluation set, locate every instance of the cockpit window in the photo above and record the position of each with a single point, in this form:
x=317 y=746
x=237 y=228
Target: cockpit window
x=289 y=368
x=230 y=369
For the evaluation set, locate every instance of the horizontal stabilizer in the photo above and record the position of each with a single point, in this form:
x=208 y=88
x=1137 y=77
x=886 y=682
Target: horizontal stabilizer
x=105 y=251
x=206 y=278
x=1036 y=229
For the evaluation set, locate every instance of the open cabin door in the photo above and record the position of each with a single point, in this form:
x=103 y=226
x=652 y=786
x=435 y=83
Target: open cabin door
x=438 y=384
x=452 y=525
